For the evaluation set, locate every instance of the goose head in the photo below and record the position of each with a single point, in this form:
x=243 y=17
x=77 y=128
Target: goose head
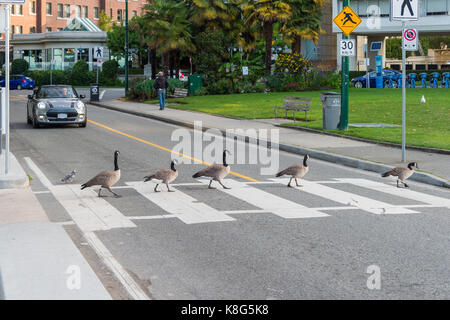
x=225 y=152
x=172 y=165
x=413 y=165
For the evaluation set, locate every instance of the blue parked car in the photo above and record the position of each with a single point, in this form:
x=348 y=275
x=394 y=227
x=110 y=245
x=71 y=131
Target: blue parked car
x=360 y=82
x=18 y=82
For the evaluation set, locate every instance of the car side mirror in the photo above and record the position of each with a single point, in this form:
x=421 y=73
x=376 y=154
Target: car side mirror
x=30 y=96
x=82 y=96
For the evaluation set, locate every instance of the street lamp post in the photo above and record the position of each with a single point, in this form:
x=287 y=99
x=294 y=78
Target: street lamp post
x=126 y=47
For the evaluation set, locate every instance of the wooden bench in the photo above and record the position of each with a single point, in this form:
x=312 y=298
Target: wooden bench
x=180 y=93
x=294 y=104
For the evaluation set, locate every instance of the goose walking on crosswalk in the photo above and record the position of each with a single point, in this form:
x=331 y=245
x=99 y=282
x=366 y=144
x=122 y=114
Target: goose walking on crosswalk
x=165 y=176
x=296 y=171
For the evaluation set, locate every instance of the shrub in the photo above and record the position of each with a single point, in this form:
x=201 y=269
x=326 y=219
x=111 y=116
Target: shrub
x=175 y=83
x=109 y=70
x=19 y=66
x=222 y=86
x=201 y=92
x=142 y=89
x=292 y=62
x=275 y=82
x=80 y=73
x=292 y=86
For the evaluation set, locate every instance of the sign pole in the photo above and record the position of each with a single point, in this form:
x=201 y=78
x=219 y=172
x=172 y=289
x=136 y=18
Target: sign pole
x=126 y=47
x=7 y=89
x=403 y=95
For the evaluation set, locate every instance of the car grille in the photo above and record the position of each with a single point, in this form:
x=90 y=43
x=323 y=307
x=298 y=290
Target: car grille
x=70 y=114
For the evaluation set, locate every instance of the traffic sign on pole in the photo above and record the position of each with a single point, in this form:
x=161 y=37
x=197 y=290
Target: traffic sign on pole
x=410 y=39
x=348 y=47
x=403 y=10
x=347 y=20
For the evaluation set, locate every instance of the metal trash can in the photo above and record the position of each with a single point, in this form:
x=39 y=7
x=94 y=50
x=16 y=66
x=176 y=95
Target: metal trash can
x=94 y=92
x=331 y=109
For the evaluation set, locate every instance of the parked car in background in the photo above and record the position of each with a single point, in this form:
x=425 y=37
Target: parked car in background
x=18 y=82
x=361 y=82
x=59 y=104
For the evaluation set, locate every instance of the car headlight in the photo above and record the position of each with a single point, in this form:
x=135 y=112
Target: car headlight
x=80 y=104
x=41 y=105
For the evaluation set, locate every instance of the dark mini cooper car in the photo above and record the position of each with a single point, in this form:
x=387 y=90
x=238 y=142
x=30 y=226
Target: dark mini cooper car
x=59 y=104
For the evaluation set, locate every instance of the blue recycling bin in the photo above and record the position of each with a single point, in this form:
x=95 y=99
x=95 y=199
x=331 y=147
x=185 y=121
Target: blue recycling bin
x=423 y=76
x=412 y=80
x=434 y=83
x=446 y=80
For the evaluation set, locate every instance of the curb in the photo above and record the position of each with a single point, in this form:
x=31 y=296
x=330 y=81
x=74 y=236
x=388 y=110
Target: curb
x=321 y=155
x=382 y=143
x=16 y=177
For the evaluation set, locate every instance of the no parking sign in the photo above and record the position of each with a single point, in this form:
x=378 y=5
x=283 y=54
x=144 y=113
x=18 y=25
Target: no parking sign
x=410 y=39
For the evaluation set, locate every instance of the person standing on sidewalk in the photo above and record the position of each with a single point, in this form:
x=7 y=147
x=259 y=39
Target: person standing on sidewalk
x=161 y=85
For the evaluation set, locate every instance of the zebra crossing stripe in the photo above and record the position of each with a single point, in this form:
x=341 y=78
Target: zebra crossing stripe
x=347 y=198
x=268 y=202
x=184 y=207
x=401 y=192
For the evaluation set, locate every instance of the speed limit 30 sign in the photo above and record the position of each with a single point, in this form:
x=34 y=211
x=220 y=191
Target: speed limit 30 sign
x=348 y=47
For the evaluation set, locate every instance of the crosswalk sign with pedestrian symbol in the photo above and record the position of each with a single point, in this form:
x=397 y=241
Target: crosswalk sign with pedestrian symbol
x=404 y=10
x=347 y=20
x=98 y=53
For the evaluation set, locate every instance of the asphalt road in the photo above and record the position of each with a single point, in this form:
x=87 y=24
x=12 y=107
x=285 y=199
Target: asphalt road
x=259 y=240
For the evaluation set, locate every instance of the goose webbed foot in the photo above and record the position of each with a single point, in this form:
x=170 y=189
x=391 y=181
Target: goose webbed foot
x=156 y=188
x=115 y=194
x=209 y=186
x=168 y=189
x=225 y=187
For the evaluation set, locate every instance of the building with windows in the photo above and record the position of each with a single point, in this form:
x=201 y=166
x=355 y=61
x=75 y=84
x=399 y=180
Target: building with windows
x=50 y=16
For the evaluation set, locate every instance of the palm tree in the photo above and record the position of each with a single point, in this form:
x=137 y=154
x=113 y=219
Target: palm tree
x=265 y=14
x=168 y=29
x=213 y=14
x=304 y=23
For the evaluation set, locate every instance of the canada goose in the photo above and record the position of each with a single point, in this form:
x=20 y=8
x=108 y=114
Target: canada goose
x=216 y=171
x=402 y=173
x=106 y=179
x=295 y=171
x=70 y=177
x=165 y=175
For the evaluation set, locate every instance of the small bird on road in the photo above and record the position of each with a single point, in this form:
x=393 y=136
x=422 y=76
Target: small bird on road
x=296 y=171
x=165 y=176
x=402 y=173
x=70 y=177
x=106 y=179
x=216 y=171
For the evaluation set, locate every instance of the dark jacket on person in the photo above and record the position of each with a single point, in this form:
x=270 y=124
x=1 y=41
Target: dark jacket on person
x=161 y=83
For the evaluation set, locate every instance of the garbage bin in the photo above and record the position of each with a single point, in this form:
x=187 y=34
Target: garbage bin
x=94 y=92
x=331 y=109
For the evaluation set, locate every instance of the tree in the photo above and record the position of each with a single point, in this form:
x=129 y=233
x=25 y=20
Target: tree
x=106 y=23
x=19 y=66
x=265 y=14
x=213 y=14
x=116 y=41
x=304 y=23
x=168 y=28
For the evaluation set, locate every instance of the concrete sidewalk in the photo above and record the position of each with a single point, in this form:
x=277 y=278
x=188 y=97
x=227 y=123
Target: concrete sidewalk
x=38 y=259
x=364 y=155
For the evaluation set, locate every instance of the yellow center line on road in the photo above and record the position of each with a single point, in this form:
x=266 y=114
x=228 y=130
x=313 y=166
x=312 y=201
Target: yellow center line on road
x=166 y=149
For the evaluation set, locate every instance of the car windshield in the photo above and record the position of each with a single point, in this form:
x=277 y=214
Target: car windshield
x=56 y=92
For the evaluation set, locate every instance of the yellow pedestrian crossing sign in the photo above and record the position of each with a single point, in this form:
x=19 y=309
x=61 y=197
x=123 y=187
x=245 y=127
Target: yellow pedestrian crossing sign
x=347 y=20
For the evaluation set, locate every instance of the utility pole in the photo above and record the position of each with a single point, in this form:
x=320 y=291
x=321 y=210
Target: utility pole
x=126 y=47
x=343 y=124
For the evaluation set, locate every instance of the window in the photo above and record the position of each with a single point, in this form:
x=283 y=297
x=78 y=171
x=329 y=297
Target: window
x=78 y=11
x=95 y=13
x=48 y=29
x=134 y=13
x=85 y=11
x=83 y=54
x=13 y=29
x=20 y=29
x=67 y=11
x=48 y=8
x=60 y=10
x=119 y=15
x=32 y=29
x=13 y=9
x=59 y=29
x=33 y=7
x=110 y=13
x=20 y=10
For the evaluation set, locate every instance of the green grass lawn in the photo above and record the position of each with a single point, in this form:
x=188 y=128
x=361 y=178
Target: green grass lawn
x=427 y=124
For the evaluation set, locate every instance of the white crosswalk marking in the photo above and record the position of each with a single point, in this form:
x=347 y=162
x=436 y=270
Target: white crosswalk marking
x=187 y=209
x=347 y=198
x=267 y=201
x=401 y=192
x=90 y=212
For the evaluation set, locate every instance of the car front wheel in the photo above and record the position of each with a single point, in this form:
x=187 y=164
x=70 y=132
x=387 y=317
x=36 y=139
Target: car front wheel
x=28 y=118
x=35 y=123
x=19 y=87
